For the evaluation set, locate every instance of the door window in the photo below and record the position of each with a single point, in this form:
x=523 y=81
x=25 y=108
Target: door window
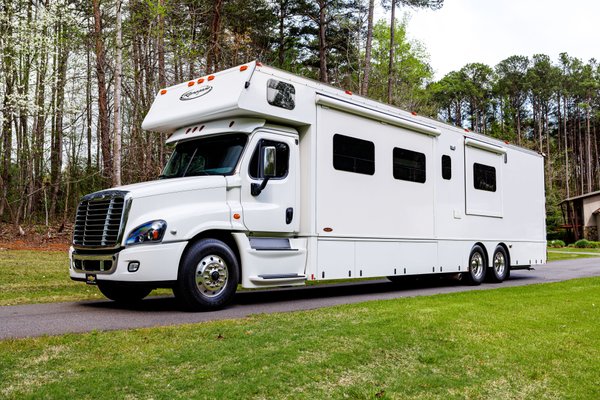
x=283 y=159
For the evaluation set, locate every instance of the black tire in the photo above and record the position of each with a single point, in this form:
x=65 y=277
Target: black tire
x=500 y=269
x=208 y=276
x=122 y=293
x=476 y=272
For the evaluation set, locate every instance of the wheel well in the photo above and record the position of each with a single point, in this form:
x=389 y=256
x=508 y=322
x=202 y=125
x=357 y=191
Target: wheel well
x=485 y=253
x=507 y=253
x=224 y=236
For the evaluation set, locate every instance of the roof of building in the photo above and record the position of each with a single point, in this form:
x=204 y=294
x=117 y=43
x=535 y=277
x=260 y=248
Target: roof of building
x=582 y=196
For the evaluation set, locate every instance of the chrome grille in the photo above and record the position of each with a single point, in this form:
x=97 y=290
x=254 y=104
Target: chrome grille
x=98 y=220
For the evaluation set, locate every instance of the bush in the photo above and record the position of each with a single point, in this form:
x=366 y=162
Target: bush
x=556 y=243
x=586 y=244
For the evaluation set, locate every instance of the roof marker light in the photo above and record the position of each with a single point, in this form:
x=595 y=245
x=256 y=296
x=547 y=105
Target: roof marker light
x=414 y=113
x=200 y=80
x=191 y=83
x=164 y=91
x=211 y=77
x=349 y=92
x=243 y=67
x=467 y=130
x=259 y=64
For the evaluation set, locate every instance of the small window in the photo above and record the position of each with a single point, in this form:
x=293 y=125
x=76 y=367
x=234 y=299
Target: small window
x=281 y=94
x=409 y=165
x=353 y=155
x=282 y=154
x=484 y=177
x=446 y=167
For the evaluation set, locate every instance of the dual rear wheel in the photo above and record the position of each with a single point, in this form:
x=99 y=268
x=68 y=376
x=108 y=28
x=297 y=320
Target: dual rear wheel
x=479 y=270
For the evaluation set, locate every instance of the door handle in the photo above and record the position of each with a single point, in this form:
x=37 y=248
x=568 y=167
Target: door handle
x=289 y=215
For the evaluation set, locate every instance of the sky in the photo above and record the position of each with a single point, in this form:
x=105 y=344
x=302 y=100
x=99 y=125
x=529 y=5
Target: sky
x=488 y=31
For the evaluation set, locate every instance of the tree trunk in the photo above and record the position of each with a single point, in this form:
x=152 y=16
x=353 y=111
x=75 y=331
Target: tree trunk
x=117 y=99
x=104 y=124
x=364 y=89
x=322 y=41
x=212 y=55
x=391 y=64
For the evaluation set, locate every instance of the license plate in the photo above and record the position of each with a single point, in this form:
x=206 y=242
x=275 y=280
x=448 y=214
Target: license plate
x=90 y=279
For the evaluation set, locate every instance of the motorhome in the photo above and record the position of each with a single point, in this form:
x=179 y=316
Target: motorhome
x=276 y=180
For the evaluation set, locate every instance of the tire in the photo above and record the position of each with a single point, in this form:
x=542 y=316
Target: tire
x=500 y=269
x=126 y=294
x=477 y=266
x=208 y=276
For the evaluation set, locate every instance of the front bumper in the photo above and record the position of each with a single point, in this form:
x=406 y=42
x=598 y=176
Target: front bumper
x=158 y=263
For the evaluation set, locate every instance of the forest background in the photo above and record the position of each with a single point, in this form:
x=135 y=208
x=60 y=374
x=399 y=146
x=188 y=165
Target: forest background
x=77 y=78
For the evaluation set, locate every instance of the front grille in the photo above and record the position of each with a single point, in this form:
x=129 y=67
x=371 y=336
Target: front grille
x=98 y=220
x=93 y=265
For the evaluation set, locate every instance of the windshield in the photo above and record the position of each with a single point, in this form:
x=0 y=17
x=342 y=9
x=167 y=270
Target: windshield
x=207 y=156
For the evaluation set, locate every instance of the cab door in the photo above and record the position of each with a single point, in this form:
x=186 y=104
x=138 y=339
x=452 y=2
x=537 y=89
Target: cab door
x=276 y=208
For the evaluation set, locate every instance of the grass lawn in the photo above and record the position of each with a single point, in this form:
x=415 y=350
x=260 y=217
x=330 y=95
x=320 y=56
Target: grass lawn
x=569 y=253
x=540 y=341
x=30 y=276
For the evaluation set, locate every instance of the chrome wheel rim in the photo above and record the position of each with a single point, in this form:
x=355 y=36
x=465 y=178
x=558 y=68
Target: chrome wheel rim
x=477 y=265
x=211 y=275
x=499 y=264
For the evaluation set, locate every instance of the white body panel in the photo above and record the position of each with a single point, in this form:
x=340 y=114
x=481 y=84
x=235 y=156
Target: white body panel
x=345 y=224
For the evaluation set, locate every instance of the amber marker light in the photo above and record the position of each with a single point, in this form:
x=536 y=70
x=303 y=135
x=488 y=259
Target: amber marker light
x=414 y=113
x=328 y=229
x=211 y=77
x=192 y=83
x=349 y=92
x=243 y=68
x=236 y=216
x=164 y=91
x=200 y=80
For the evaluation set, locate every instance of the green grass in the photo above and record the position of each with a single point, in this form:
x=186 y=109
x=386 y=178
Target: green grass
x=569 y=253
x=29 y=276
x=534 y=342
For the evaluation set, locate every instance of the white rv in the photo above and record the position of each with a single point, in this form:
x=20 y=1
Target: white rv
x=276 y=179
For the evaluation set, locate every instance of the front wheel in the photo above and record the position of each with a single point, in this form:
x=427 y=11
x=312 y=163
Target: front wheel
x=208 y=276
x=125 y=294
x=477 y=266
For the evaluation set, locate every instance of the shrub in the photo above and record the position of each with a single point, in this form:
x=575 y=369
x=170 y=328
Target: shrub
x=556 y=243
x=586 y=244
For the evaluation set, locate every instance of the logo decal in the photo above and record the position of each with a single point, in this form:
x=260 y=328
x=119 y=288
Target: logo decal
x=195 y=93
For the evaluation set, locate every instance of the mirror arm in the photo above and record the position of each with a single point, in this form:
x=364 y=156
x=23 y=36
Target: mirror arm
x=256 y=189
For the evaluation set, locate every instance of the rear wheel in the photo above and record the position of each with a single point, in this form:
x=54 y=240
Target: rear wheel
x=123 y=293
x=500 y=269
x=208 y=276
x=477 y=266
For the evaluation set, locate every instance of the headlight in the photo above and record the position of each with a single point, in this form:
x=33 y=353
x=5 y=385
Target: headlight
x=150 y=232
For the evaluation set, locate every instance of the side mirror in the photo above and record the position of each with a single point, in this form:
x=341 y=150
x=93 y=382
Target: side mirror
x=269 y=169
x=269 y=162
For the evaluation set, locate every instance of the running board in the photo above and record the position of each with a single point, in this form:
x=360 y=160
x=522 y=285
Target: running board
x=278 y=279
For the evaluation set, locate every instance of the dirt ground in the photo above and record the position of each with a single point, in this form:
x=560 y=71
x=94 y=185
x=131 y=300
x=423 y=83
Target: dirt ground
x=35 y=237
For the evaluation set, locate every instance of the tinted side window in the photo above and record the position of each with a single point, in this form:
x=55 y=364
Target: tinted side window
x=409 y=165
x=353 y=155
x=484 y=177
x=281 y=94
x=446 y=167
x=283 y=159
